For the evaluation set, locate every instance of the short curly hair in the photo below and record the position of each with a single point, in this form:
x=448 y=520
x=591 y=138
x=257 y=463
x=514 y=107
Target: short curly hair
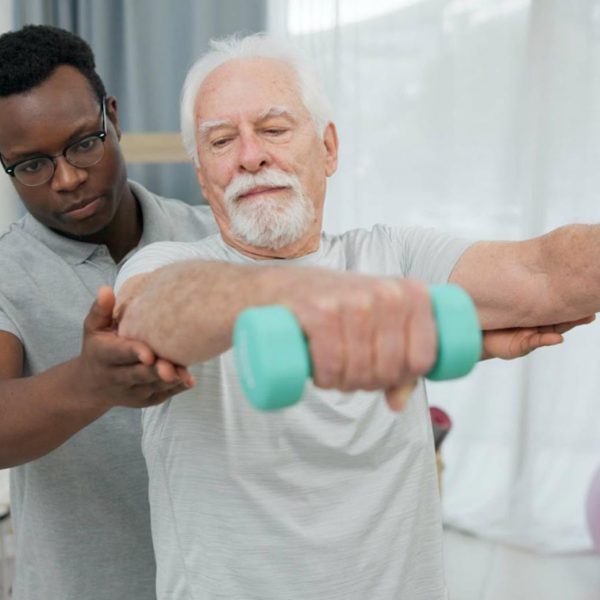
x=30 y=55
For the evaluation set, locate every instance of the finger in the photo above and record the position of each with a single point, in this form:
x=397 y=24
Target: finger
x=99 y=316
x=169 y=372
x=389 y=345
x=397 y=397
x=115 y=350
x=538 y=340
x=421 y=332
x=150 y=395
x=165 y=370
x=160 y=397
x=186 y=377
x=547 y=339
x=358 y=340
x=564 y=327
x=326 y=345
x=140 y=375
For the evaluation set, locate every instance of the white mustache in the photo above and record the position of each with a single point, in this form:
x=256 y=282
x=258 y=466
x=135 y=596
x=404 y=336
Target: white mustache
x=270 y=178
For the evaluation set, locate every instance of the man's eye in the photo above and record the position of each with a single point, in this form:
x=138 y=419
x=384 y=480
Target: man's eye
x=85 y=145
x=220 y=142
x=275 y=131
x=31 y=166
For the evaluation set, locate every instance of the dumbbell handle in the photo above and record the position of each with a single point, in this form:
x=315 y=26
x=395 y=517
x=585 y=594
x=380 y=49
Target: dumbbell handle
x=273 y=361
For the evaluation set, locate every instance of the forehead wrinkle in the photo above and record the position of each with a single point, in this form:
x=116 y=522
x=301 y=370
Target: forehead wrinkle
x=277 y=111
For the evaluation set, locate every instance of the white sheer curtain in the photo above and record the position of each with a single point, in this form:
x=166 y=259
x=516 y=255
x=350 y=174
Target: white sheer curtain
x=480 y=117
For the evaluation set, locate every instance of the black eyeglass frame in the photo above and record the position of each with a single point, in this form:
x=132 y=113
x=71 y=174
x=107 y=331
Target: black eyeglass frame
x=100 y=134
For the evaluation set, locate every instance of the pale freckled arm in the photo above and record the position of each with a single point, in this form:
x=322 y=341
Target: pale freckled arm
x=551 y=279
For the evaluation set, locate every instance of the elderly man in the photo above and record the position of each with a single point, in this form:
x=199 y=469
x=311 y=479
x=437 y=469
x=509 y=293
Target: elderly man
x=336 y=497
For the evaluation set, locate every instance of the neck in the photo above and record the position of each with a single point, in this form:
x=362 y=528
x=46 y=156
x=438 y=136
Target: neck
x=123 y=233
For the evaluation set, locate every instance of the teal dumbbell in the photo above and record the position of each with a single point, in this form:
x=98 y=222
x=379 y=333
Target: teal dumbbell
x=273 y=362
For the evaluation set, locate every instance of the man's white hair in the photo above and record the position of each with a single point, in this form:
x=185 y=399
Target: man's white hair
x=252 y=46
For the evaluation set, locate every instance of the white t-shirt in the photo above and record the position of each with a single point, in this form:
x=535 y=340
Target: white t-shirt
x=334 y=498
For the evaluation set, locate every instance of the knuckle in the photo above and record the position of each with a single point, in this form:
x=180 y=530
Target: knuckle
x=390 y=294
x=388 y=374
x=328 y=372
x=360 y=301
x=326 y=310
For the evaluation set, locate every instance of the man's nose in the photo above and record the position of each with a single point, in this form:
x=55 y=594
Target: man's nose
x=66 y=176
x=253 y=154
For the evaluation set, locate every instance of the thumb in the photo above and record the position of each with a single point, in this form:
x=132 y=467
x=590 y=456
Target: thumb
x=397 y=397
x=100 y=314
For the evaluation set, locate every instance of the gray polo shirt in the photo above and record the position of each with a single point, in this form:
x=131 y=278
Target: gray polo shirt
x=81 y=512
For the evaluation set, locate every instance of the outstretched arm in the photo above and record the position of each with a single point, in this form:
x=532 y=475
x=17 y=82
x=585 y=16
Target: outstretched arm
x=554 y=278
x=364 y=332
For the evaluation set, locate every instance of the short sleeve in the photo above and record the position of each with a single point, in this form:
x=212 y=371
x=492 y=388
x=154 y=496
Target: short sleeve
x=153 y=257
x=8 y=321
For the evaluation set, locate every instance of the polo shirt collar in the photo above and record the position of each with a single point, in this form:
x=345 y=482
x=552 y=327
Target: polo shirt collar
x=73 y=251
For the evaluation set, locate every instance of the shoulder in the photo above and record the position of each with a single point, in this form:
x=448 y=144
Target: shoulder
x=365 y=240
x=17 y=245
x=396 y=238
x=157 y=255
x=9 y=233
x=175 y=211
x=396 y=251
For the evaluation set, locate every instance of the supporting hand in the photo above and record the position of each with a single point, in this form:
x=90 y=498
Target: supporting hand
x=120 y=372
x=520 y=341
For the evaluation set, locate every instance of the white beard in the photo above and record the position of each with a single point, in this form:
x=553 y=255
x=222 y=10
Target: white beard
x=268 y=222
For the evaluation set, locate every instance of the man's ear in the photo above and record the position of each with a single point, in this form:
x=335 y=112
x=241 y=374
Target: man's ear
x=113 y=114
x=330 y=141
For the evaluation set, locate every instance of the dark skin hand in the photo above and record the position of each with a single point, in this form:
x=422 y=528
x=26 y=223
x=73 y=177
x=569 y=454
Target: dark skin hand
x=122 y=372
x=41 y=412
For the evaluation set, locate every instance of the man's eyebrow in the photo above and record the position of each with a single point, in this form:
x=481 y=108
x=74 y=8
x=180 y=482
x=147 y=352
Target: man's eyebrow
x=207 y=126
x=80 y=132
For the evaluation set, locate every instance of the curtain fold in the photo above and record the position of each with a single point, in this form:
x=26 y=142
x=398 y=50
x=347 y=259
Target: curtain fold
x=480 y=118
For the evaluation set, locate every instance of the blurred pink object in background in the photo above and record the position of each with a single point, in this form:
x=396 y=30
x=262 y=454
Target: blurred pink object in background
x=441 y=425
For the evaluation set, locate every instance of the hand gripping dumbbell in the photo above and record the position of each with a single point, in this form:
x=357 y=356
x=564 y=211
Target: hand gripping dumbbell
x=273 y=361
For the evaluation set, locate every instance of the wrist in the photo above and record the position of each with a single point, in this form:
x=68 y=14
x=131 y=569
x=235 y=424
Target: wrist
x=84 y=390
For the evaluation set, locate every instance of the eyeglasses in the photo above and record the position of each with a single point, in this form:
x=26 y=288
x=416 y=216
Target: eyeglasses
x=82 y=153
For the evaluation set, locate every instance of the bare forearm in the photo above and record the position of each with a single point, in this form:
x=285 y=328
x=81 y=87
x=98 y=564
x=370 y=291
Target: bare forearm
x=186 y=312
x=39 y=413
x=551 y=279
x=571 y=258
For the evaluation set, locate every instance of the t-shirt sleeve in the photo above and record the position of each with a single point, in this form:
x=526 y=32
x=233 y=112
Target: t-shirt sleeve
x=153 y=257
x=426 y=254
x=7 y=322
